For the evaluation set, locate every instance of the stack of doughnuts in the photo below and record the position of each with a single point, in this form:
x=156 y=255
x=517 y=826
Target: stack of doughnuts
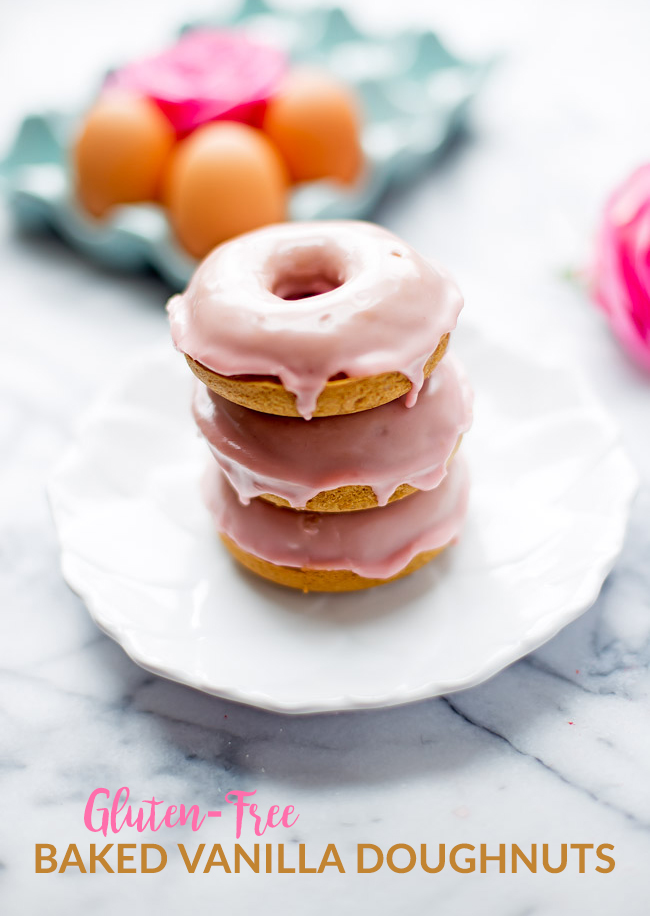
x=324 y=398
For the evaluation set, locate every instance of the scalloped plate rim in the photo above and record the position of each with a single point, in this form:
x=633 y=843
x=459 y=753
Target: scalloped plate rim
x=540 y=630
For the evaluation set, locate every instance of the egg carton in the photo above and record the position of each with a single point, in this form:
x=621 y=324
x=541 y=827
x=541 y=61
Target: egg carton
x=414 y=95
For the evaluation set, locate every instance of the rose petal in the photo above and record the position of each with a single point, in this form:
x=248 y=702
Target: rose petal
x=622 y=265
x=205 y=76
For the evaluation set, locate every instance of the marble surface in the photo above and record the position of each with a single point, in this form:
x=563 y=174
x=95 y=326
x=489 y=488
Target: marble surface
x=554 y=749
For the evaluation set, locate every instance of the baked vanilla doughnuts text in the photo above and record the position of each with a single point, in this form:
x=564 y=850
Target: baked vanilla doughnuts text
x=332 y=419
x=315 y=319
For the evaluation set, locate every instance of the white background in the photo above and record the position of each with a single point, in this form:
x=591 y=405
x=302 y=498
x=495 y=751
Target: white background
x=564 y=116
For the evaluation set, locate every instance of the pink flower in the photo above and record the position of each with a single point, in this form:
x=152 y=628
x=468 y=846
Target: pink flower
x=205 y=76
x=622 y=265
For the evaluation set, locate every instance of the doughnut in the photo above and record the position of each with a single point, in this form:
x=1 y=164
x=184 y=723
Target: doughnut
x=320 y=580
x=343 y=463
x=315 y=319
x=343 y=551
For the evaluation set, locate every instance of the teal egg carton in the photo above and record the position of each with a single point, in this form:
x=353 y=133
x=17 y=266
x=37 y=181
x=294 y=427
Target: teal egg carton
x=414 y=96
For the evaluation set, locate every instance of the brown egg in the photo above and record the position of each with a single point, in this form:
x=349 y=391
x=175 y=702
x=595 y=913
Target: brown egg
x=314 y=122
x=120 y=154
x=224 y=179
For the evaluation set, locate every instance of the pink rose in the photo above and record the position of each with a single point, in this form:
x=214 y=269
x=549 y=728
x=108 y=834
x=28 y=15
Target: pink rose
x=205 y=76
x=622 y=265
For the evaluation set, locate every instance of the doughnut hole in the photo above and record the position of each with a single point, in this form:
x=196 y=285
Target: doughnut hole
x=307 y=271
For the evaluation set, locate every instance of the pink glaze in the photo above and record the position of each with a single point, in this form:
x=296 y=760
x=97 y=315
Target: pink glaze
x=306 y=301
x=375 y=543
x=206 y=75
x=381 y=448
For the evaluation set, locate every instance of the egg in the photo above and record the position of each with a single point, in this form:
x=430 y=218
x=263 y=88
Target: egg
x=314 y=121
x=224 y=179
x=121 y=152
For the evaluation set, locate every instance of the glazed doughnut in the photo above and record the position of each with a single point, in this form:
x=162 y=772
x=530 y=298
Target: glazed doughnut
x=315 y=319
x=342 y=551
x=320 y=580
x=338 y=464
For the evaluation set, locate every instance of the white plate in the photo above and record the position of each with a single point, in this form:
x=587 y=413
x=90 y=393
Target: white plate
x=551 y=494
